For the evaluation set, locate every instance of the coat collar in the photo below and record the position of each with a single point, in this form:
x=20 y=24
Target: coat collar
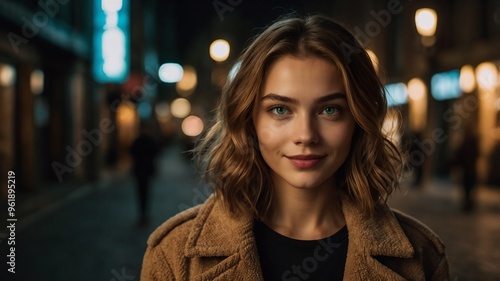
x=370 y=236
x=380 y=233
x=215 y=233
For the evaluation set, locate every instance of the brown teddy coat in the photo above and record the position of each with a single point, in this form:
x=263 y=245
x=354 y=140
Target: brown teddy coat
x=206 y=243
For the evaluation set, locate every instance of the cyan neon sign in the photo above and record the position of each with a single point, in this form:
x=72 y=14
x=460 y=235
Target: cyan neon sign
x=111 y=55
x=397 y=94
x=446 y=85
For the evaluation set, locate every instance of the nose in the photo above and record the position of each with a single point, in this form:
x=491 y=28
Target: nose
x=306 y=131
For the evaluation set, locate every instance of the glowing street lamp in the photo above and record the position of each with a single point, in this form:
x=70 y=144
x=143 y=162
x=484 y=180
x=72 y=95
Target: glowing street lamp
x=467 y=79
x=426 y=23
x=417 y=105
x=486 y=75
x=219 y=50
x=416 y=89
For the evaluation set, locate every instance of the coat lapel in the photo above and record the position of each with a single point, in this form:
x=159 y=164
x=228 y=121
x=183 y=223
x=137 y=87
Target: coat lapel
x=217 y=234
x=371 y=236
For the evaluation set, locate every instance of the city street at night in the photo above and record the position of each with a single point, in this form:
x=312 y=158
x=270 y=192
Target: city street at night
x=105 y=103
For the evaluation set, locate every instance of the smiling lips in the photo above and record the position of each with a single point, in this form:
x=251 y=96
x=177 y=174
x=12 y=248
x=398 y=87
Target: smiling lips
x=305 y=161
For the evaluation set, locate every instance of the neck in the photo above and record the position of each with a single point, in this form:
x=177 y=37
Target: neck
x=306 y=214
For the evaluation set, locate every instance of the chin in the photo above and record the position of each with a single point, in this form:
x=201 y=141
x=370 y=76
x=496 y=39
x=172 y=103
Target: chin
x=305 y=184
x=312 y=180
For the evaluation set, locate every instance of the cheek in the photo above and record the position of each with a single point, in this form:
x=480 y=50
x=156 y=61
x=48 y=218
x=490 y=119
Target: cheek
x=268 y=133
x=267 y=138
x=271 y=141
x=342 y=136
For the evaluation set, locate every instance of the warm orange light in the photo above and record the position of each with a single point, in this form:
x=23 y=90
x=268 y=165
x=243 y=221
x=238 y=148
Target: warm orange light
x=426 y=21
x=416 y=89
x=36 y=82
x=417 y=104
x=126 y=114
x=192 y=126
x=7 y=75
x=219 y=50
x=467 y=79
x=188 y=82
x=487 y=75
x=180 y=108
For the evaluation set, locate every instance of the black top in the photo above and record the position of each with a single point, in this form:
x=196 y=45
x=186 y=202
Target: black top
x=283 y=258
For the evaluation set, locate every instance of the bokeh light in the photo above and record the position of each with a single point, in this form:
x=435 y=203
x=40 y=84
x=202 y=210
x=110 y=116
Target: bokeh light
x=126 y=114
x=144 y=109
x=486 y=75
x=467 y=79
x=426 y=21
x=111 y=5
x=7 y=75
x=416 y=89
x=192 y=126
x=170 y=72
x=219 y=50
x=188 y=82
x=180 y=108
x=36 y=82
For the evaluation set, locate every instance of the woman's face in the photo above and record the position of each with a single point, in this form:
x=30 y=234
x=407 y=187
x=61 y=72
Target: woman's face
x=303 y=123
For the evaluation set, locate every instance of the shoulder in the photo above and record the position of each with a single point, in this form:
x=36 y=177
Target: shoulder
x=165 y=254
x=166 y=247
x=420 y=235
x=429 y=249
x=173 y=235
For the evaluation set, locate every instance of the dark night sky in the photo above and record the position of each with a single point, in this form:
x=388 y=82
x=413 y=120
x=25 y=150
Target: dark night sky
x=200 y=18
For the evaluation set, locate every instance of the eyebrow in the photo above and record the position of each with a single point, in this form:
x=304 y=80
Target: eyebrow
x=276 y=97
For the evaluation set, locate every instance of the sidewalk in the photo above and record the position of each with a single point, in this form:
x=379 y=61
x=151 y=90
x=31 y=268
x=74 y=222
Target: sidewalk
x=472 y=239
x=92 y=233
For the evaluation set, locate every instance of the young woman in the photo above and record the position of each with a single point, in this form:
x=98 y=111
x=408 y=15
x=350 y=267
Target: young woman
x=301 y=172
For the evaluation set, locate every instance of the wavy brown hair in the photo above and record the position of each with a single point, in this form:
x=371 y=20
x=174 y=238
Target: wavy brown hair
x=228 y=154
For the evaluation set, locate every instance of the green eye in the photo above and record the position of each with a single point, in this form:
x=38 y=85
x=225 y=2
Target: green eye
x=330 y=110
x=280 y=110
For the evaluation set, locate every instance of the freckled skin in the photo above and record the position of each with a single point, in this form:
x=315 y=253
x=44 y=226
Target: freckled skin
x=293 y=116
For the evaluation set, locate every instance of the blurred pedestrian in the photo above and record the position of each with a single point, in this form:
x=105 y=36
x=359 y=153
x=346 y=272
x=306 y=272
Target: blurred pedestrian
x=301 y=171
x=143 y=151
x=465 y=158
